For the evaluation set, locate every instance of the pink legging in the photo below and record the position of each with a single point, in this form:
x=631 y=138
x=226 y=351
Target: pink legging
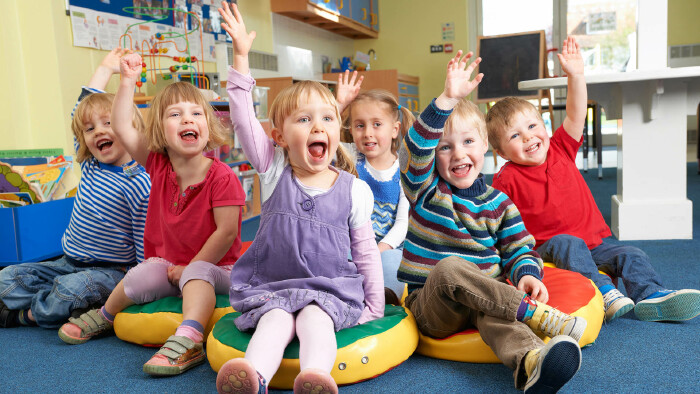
x=148 y=281
x=277 y=328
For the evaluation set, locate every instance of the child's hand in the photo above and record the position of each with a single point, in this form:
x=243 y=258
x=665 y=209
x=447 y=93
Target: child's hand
x=175 y=273
x=347 y=88
x=457 y=83
x=570 y=57
x=234 y=26
x=534 y=287
x=130 y=66
x=111 y=60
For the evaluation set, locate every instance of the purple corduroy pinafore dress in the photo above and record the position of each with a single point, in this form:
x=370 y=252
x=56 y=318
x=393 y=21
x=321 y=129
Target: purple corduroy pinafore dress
x=300 y=256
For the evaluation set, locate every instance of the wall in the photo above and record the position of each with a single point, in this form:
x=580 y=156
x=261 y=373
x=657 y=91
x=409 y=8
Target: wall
x=407 y=29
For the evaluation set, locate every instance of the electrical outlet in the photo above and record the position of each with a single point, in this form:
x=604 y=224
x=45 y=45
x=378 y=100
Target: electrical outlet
x=435 y=48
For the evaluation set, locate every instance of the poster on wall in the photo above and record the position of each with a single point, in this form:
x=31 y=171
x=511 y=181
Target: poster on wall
x=85 y=27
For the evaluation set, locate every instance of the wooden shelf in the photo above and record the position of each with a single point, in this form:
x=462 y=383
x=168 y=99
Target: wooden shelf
x=304 y=11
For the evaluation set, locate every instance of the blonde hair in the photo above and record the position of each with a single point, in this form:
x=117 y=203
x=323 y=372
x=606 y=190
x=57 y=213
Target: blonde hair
x=290 y=98
x=100 y=103
x=468 y=112
x=176 y=93
x=398 y=113
x=499 y=117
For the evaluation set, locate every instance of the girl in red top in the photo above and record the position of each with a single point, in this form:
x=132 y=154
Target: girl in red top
x=191 y=239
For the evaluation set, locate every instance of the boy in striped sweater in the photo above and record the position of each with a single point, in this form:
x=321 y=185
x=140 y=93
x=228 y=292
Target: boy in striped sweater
x=465 y=239
x=105 y=233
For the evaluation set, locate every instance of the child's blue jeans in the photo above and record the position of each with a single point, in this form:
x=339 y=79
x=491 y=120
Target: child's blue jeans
x=619 y=261
x=53 y=289
x=391 y=260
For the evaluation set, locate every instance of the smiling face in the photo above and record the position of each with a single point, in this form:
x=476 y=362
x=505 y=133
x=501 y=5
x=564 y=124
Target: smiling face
x=525 y=140
x=374 y=129
x=310 y=134
x=460 y=154
x=101 y=141
x=185 y=128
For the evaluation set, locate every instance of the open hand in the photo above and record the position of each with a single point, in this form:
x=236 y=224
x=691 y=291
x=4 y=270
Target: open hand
x=111 y=60
x=235 y=27
x=457 y=82
x=348 y=88
x=570 y=57
x=130 y=66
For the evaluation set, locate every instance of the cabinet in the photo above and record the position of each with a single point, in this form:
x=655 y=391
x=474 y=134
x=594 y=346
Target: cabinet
x=349 y=18
x=403 y=87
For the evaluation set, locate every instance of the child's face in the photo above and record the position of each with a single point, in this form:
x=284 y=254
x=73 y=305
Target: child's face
x=101 y=142
x=373 y=129
x=526 y=141
x=186 y=129
x=460 y=155
x=310 y=134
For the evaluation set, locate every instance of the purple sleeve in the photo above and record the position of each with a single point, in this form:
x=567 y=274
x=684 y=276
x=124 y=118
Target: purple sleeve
x=257 y=146
x=365 y=255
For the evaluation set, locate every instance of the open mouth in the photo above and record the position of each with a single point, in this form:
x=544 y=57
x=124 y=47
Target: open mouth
x=461 y=170
x=370 y=145
x=533 y=148
x=104 y=144
x=317 y=150
x=189 y=136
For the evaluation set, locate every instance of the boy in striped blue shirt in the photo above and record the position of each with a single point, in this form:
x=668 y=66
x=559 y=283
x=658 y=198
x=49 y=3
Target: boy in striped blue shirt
x=105 y=234
x=465 y=239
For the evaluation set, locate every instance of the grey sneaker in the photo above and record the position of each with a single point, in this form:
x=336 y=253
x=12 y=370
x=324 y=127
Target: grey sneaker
x=670 y=306
x=90 y=324
x=552 y=322
x=616 y=304
x=557 y=363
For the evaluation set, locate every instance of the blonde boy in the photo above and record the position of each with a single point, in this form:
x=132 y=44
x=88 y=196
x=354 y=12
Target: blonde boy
x=542 y=179
x=465 y=239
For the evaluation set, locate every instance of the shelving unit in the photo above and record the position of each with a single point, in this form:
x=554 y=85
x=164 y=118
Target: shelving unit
x=350 y=18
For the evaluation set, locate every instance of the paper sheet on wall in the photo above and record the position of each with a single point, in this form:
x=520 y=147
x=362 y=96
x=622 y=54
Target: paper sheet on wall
x=110 y=31
x=85 y=30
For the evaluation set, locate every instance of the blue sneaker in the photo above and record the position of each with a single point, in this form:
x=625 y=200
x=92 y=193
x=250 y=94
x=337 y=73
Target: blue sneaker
x=670 y=305
x=616 y=304
x=557 y=363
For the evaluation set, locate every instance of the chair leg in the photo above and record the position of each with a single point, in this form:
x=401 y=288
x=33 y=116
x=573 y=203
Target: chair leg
x=598 y=137
x=585 y=143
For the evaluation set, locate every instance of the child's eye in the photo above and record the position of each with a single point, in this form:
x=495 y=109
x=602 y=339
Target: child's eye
x=468 y=141
x=89 y=129
x=328 y=118
x=532 y=126
x=197 y=113
x=444 y=148
x=107 y=123
x=377 y=124
x=514 y=136
x=304 y=119
x=359 y=126
x=174 y=114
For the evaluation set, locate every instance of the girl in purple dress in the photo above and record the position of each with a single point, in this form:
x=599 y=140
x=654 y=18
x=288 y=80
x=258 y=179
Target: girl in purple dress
x=296 y=279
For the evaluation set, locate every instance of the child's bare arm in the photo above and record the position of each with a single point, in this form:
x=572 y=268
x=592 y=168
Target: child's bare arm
x=577 y=96
x=242 y=40
x=108 y=67
x=123 y=109
x=220 y=241
x=348 y=89
x=457 y=81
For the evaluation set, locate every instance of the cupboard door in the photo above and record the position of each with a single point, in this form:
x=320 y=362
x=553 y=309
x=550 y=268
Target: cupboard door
x=330 y=5
x=344 y=8
x=361 y=11
x=374 y=16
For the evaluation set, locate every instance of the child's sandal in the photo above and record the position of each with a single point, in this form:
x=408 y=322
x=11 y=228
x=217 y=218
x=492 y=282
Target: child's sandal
x=315 y=381
x=80 y=330
x=238 y=376
x=177 y=355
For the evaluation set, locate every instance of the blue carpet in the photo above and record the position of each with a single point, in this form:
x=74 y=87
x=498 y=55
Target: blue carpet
x=629 y=355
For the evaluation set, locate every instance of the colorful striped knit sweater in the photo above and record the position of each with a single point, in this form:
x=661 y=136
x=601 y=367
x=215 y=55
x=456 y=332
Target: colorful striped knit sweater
x=479 y=224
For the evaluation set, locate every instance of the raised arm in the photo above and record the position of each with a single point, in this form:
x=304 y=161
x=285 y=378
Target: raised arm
x=458 y=82
x=123 y=109
x=108 y=67
x=348 y=89
x=242 y=40
x=577 y=96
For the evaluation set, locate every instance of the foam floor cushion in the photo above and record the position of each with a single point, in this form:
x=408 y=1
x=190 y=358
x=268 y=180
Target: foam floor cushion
x=570 y=292
x=151 y=324
x=364 y=351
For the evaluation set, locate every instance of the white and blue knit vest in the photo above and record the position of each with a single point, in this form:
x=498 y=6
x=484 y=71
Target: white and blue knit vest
x=386 y=198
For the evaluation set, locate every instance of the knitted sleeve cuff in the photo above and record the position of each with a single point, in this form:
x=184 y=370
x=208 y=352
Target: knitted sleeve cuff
x=528 y=269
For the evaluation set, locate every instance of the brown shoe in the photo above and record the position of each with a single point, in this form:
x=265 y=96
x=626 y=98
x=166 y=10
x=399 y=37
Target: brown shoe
x=177 y=355
x=390 y=297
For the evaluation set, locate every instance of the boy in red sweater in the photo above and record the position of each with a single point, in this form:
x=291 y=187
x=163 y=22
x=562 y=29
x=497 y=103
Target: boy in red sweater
x=558 y=209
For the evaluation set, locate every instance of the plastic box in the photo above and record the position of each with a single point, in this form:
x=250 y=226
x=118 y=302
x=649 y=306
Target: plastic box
x=33 y=233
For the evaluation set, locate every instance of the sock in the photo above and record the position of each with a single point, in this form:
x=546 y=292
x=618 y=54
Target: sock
x=23 y=318
x=191 y=329
x=606 y=288
x=526 y=309
x=107 y=315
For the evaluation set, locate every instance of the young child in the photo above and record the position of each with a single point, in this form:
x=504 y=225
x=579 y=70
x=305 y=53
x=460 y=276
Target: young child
x=465 y=239
x=296 y=278
x=378 y=123
x=105 y=233
x=558 y=209
x=192 y=227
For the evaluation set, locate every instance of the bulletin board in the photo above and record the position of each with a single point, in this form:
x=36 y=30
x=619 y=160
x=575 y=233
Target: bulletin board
x=508 y=59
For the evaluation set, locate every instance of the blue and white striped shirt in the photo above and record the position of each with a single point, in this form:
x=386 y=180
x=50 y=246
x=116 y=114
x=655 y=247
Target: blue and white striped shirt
x=109 y=213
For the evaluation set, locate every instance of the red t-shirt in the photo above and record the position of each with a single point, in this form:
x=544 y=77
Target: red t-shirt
x=553 y=198
x=179 y=223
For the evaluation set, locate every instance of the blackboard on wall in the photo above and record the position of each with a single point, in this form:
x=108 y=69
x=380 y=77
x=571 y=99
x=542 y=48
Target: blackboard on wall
x=507 y=60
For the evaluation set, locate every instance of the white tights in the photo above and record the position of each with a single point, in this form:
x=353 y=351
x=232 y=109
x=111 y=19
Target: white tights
x=277 y=328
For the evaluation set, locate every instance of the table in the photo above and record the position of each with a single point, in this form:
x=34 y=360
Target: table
x=651 y=200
